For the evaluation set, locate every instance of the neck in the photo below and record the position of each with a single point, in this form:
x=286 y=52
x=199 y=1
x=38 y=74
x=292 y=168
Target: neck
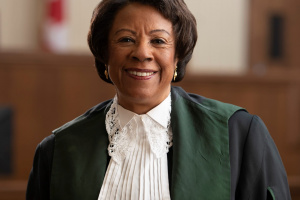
x=140 y=106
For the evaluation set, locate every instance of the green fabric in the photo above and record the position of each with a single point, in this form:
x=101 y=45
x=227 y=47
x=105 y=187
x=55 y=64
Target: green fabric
x=271 y=193
x=201 y=161
x=80 y=159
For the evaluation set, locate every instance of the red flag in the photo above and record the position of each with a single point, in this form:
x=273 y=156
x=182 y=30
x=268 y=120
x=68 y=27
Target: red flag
x=55 y=27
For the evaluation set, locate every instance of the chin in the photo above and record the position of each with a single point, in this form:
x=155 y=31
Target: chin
x=142 y=96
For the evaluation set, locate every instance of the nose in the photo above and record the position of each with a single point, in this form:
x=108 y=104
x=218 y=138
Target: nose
x=142 y=52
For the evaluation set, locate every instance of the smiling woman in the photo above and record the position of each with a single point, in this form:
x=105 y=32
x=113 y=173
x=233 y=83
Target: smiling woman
x=142 y=58
x=152 y=140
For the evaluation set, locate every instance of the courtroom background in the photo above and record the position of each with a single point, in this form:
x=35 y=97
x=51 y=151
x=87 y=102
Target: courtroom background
x=247 y=54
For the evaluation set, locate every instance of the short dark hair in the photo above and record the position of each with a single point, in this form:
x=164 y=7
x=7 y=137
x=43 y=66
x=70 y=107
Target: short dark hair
x=183 y=21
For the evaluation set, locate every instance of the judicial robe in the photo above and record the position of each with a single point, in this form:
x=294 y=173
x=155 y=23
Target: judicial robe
x=219 y=152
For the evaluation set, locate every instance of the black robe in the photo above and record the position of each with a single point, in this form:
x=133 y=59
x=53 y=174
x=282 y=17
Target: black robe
x=256 y=169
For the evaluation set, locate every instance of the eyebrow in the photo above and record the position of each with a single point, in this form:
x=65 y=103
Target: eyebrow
x=127 y=30
x=134 y=33
x=160 y=30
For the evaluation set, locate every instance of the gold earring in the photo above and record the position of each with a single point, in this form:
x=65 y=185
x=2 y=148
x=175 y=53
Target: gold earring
x=175 y=73
x=106 y=72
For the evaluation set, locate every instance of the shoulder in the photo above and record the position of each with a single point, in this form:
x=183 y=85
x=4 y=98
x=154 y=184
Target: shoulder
x=46 y=142
x=248 y=132
x=45 y=148
x=243 y=124
x=89 y=116
x=205 y=105
x=256 y=164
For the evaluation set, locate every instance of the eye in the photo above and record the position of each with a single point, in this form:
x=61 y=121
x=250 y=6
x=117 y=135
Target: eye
x=126 y=40
x=158 y=41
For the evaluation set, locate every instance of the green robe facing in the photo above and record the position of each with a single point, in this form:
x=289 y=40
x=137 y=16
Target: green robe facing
x=219 y=152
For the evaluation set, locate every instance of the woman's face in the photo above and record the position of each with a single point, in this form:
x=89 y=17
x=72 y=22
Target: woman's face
x=142 y=59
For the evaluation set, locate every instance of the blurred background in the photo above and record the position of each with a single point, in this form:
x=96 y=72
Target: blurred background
x=247 y=54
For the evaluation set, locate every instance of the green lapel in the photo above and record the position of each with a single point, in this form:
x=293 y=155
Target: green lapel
x=80 y=158
x=200 y=163
x=201 y=160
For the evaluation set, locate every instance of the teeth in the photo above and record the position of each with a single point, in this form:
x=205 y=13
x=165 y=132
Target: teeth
x=140 y=73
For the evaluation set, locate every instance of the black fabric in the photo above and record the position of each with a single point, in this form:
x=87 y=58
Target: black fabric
x=38 y=187
x=255 y=163
x=170 y=161
x=6 y=134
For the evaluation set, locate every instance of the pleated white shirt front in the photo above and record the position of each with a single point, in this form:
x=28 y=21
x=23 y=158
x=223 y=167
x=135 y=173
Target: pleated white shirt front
x=138 y=168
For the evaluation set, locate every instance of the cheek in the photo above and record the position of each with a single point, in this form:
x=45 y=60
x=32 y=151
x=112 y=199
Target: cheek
x=168 y=64
x=117 y=55
x=114 y=72
x=115 y=61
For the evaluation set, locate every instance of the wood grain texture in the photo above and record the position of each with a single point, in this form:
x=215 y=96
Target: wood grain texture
x=46 y=91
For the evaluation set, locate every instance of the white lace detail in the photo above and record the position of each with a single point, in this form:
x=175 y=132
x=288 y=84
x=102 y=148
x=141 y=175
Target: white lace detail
x=122 y=139
x=160 y=138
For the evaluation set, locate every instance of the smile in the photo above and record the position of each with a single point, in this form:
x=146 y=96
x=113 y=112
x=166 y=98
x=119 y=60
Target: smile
x=135 y=73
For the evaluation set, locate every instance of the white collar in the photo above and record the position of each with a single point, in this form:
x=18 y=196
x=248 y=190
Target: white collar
x=159 y=114
x=121 y=128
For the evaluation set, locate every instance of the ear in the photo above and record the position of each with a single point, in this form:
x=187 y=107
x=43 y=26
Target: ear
x=176 y=61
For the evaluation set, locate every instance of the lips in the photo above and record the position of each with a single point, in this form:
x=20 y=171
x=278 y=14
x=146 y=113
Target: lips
x=136 y=73
x=141 y=74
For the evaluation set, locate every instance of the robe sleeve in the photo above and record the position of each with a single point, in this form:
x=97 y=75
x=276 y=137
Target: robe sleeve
x=38 y=187
x=256 y=167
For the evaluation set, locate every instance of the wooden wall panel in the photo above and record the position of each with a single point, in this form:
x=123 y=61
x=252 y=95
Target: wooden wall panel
x=45 y=94
x=47 y=91
x=260 y=34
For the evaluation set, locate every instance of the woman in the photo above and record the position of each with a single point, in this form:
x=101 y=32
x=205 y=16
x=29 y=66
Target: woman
x=154 y=141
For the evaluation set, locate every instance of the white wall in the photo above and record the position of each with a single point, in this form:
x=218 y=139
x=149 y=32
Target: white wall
x=79 y=16
x=18 y=30
x=222 y=31
x=222 y=36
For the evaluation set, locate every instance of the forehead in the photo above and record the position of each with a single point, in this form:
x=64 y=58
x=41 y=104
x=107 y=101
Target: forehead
x=136 y=15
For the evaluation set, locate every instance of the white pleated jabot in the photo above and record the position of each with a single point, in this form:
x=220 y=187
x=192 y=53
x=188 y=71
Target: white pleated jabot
x=138 y=168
